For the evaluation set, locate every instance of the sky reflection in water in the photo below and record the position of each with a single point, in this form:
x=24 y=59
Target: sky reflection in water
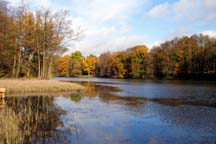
x=101 y=116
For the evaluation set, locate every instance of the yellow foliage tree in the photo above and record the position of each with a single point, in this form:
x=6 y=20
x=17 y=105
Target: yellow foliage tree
x=89 y=65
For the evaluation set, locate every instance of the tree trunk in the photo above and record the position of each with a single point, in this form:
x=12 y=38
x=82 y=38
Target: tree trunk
x=44 y=46
x=15 y=60
x=39 y=65
x=38 y=58
x=49 y=73
x=18 y=63
x=29 y=64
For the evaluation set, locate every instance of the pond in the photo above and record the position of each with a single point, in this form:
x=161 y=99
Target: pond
x=114 y=111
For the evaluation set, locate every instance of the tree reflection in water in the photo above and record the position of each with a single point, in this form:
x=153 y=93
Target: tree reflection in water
x=107 y=94
x=9 y=125
x=100 y=113
x=30 y=120
x=76 y=97
x=160 y=120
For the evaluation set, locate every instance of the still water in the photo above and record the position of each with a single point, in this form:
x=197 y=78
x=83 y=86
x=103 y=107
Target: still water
x=114 y=111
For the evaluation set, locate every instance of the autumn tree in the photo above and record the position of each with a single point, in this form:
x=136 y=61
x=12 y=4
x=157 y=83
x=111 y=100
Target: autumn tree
x=63 y=66
x=156 y=62
x=116 y=66
x=186 y=48
x=103 y=65
x=89 y=65
x=184 y=58
x=135 y=61
x=76 y=63
x=5 y=51
x=31 y=39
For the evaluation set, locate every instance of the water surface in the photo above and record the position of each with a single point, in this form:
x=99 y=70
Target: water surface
x=114 y=111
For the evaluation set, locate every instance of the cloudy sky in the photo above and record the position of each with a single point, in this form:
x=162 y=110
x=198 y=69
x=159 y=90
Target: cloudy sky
x=112 y=25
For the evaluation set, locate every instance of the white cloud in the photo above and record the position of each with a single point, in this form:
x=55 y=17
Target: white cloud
x=211 y=33
x=99 y=11
x=185 y=11
x=184 y=31
x=44 y=3
x=33 y=3
x=159 y=10
x=14 y=2
x=156 y=43
x=210 y=4
x=211 y=9
x=186 y=16
x=106 y=25
x=184 y=5
x=106 y=39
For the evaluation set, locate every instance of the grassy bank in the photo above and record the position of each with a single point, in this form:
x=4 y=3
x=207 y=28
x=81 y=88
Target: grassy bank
x=18 y=86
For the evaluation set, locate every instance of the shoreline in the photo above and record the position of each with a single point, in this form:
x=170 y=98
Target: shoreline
x=34 y=86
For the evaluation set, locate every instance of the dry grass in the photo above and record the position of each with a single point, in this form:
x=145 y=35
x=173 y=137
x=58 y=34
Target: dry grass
x=37 y=86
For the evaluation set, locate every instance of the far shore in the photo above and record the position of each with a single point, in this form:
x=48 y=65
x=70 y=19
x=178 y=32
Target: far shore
x=34 y=86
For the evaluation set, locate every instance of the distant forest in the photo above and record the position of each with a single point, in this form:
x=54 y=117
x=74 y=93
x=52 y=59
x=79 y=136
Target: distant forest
x=32 y=44
x=181 y=58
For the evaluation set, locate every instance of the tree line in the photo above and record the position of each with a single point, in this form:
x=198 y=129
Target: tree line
x=32 y=42
x=188 y=57
x=29 y=40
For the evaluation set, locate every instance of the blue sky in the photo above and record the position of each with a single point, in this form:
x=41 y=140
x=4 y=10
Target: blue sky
x=112 y=25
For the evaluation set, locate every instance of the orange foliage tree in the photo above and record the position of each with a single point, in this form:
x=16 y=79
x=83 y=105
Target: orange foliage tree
x=63 y=66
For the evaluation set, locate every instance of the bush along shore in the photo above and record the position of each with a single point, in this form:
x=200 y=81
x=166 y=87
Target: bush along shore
x=32 y=87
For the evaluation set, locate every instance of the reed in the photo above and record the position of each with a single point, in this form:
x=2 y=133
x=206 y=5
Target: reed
x=37 y=86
